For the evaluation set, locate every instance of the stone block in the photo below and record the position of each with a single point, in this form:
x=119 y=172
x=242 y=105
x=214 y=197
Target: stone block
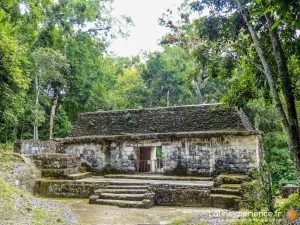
x=288 y=189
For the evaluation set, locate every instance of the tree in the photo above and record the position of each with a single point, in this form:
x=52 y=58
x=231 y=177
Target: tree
x=259 y=41
x=48 y=69
x=129 y=91
x=14 y=83
x=289 y=118
x=165 y=77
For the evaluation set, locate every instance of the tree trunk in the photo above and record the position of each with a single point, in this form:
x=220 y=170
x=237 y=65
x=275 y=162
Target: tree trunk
x=35 y=126
x=168 y=98
x=287 y=89
x=291 y=131
x=265 y=64
x=200 y=95
x=52 y=116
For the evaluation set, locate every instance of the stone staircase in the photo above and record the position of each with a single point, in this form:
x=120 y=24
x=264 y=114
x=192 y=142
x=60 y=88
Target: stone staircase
x=59 y=166
x=227 y=191
x=125 y=195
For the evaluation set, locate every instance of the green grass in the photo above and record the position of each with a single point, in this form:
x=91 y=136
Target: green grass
x=185 y=221
x=7 y=148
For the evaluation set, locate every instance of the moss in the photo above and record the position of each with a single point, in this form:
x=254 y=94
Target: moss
x=161 y=120
x=91 y=123
x=179 y=170
x=86 y=168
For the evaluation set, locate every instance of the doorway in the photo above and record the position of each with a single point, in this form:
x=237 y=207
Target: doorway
x=145 y=159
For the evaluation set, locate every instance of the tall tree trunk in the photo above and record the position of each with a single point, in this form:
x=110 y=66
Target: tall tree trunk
x=52 y=115
x=199 y=94
x=291 y=133
x=287 y=90
x=37 y=94
x=168 y=98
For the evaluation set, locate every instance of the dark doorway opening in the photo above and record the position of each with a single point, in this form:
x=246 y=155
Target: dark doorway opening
x=145 y=157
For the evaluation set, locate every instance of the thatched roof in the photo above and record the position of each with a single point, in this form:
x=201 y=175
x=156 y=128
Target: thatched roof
x=168 y=120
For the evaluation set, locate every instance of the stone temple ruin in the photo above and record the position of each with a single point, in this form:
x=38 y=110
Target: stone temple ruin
x=195 y=155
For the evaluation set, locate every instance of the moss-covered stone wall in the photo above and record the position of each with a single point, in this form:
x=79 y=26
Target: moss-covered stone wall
x=180 y=156
x=202 y=155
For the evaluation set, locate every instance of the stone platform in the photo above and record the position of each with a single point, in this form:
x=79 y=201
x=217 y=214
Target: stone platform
x=144 y=191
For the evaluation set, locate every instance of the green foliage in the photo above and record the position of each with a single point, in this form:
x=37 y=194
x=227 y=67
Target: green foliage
x=13 y=85
x=277 y=156
x=129 y=91
x=177 y=221
x=278 y=217
x=62 y=125
x=38 y=33
x=259 y=194
x=7 y=147
x=164 y=75
x=7 y=160
x=293 y=202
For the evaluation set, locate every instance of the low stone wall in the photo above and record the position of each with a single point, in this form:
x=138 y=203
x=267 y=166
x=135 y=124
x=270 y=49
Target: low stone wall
x=288 y=190
x=177 y=195
x=31 y=147
x=66 y=189
x=164 y=194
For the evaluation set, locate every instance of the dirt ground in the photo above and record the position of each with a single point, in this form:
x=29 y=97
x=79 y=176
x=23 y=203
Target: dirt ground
x=113 y=215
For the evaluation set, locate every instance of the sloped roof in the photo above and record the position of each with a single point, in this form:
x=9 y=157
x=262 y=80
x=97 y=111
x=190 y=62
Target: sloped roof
x=168 y=120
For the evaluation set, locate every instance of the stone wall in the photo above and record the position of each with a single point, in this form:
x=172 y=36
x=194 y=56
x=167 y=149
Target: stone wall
x=32 y=147
x=206 y=156
x=94 y=156
x=191 y=156
x=198 y=156
x=66 y=189
x=178 y=195
x=164 y=194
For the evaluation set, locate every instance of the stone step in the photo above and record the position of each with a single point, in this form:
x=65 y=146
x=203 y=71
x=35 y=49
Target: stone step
x=121 y=191
x=128 y=197
x=225 y=201
x=224 y=196
x=225 y=191
x=233 y=178
x=80 y=175
x=58 y=173
x=128 y=183
x=120 y=203
x=158 y=177
x=231 y=186
x=125 y=187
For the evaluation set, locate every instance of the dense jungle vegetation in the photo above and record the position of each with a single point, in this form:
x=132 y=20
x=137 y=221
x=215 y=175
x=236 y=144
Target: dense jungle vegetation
x=54 y=64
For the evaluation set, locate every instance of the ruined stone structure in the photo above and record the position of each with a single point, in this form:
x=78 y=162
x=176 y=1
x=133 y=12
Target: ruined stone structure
x=197 y=140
